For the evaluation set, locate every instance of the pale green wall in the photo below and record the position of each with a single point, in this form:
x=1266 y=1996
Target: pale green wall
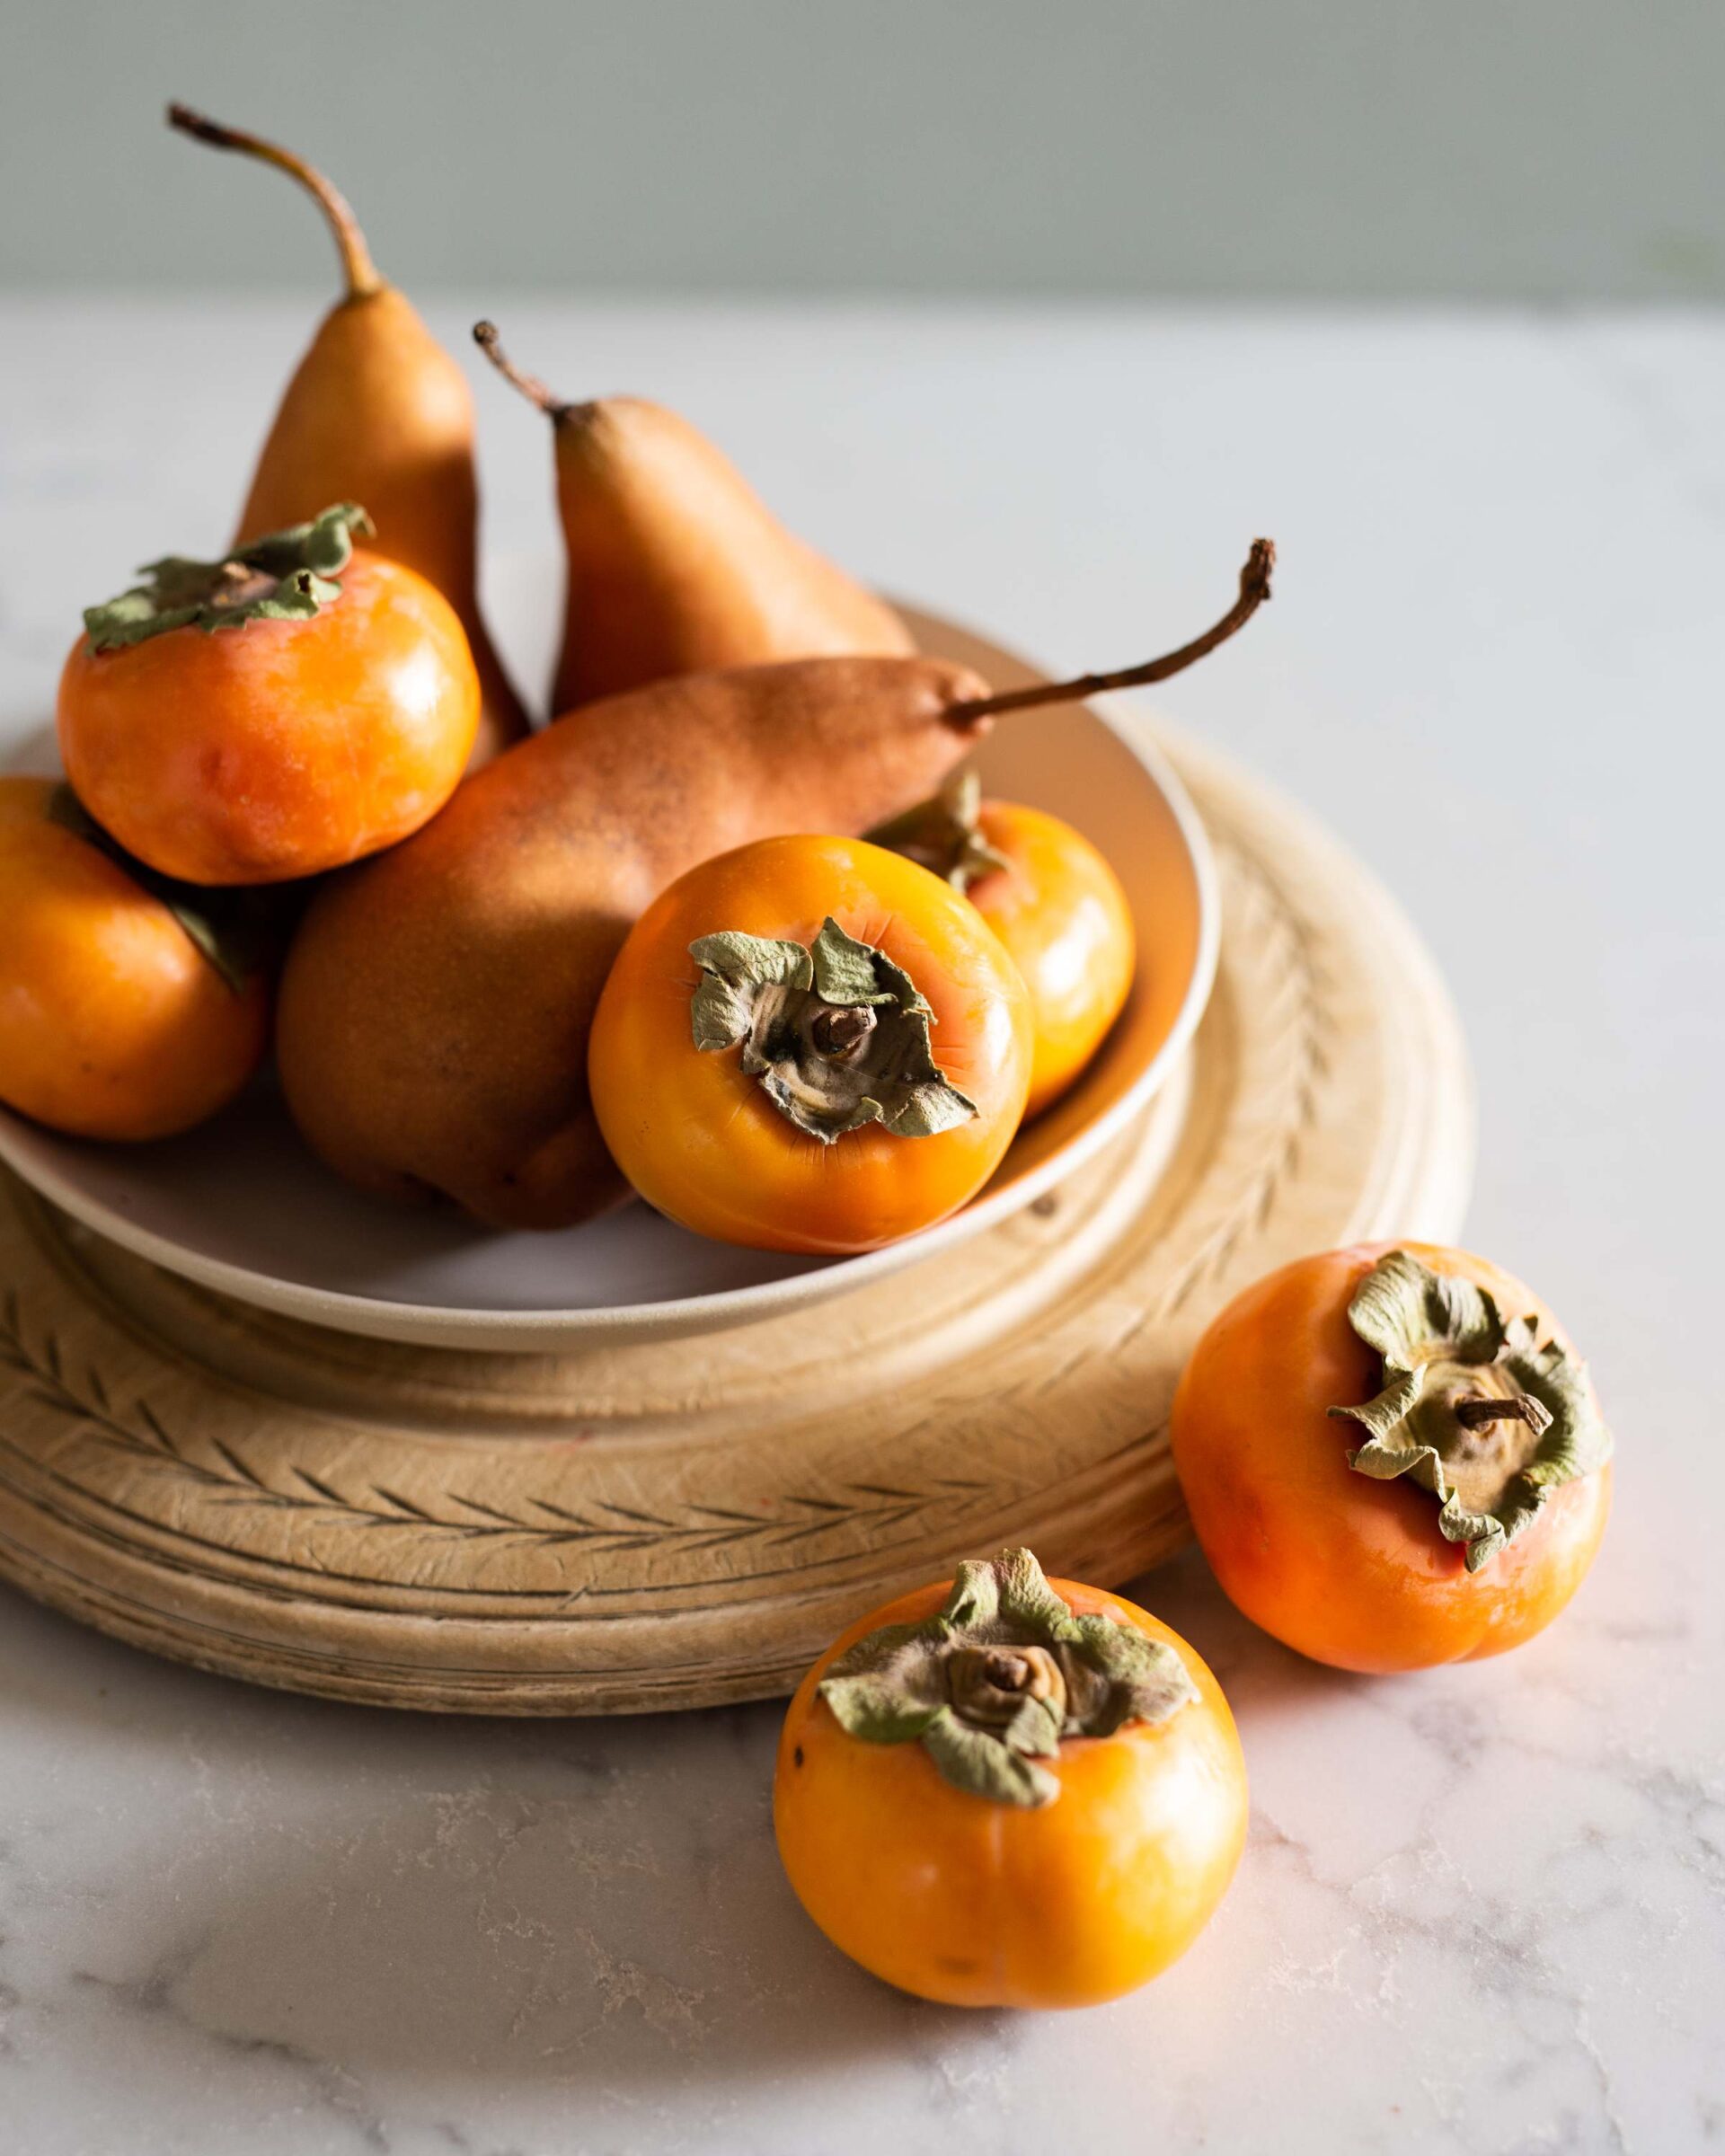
x=1502 y=149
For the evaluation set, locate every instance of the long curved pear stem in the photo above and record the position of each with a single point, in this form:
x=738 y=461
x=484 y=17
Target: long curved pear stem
x=356 y=265
x=486 y=338
x=1254 y=589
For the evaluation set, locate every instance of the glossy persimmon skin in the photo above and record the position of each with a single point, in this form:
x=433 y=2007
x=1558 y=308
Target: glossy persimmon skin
x=975 y=1903
x=1349 y=1570
x=698 y=1137
x=276 y=749
x=112 y=1023
x=1059 y=909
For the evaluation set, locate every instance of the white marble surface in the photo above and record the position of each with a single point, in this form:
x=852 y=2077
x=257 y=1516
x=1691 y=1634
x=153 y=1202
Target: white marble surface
x=1481 y=1909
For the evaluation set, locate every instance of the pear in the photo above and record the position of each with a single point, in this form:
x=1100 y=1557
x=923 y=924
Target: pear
x=675 y=565
x=378 y=413
x=435 y=1008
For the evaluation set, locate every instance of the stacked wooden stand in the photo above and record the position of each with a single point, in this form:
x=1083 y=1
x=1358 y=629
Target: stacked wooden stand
x=672 y=1525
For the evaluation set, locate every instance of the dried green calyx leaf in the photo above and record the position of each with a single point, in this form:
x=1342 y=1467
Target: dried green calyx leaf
x=285 y=576
x=944 y=834
x=993 y=1682
x=837 y=1035
x=236 y=930
x=1473 y=1408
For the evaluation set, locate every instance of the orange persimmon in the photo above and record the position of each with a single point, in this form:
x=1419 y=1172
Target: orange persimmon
x=1026 y=1793
x=282 y=712
x=1391 y=1457
x=1054 y=902
x=809 y=1044
x=114 y=1022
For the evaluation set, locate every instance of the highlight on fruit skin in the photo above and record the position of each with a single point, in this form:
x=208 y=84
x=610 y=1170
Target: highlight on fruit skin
x=1008 y=1790
x=1051 y=897
x=122 y=1014
x=809 y=1044
x=284 y=709
x=1393 y=1458
x=376 y=411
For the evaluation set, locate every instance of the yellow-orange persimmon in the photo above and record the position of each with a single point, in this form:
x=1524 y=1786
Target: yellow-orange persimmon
x=946 y=1820
x=283 y=712
x=113 y=1022
x=1054 y=902
x=1392 y=1458
x=809 y=1044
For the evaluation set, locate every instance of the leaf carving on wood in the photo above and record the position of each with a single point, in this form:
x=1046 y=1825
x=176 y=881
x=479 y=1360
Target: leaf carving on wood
x=540 y=1521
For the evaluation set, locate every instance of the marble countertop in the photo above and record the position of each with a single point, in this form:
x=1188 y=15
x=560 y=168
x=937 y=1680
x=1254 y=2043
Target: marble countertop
x=1481 y=1909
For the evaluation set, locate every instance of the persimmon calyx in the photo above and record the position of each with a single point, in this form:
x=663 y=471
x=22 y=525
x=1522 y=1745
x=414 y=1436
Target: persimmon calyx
x=945 y=834
x=234 y=931
x=285 y=576
x=837 y=1035
x=1474 y=1409
x=991 y=1684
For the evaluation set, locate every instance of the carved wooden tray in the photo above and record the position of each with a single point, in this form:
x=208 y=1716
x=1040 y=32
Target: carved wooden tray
x=670 y=1525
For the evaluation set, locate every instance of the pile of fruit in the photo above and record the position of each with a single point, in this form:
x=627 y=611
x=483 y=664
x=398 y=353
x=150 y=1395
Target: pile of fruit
x=1007 y=1791
x=734 y=929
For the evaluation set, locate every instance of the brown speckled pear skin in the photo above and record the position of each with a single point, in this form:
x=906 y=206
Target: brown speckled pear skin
x=677 y=566
x=435 y=1008
x=378 y=412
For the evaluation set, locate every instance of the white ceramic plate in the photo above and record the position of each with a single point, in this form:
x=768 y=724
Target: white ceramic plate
x=240 y=1206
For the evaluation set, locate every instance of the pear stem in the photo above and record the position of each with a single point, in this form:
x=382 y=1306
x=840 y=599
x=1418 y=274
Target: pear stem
x=486 y=338
x=356 y=265
x=1254 y=589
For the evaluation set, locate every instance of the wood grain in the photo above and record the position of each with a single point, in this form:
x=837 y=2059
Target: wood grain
x=672 y=1525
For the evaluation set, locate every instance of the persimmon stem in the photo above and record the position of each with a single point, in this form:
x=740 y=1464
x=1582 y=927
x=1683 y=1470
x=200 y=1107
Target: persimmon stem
x=486 y=338
x=837 y=1031
x=1254 y=589
x=356 y=265
x=1518 y=1407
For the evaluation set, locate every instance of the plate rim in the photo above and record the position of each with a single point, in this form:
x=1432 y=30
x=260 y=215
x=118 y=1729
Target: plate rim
x=719 y=1310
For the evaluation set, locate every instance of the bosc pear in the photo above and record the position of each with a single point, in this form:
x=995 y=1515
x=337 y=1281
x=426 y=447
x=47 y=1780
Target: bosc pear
x=376 y=413
x=675 y=565
x=434 y=1013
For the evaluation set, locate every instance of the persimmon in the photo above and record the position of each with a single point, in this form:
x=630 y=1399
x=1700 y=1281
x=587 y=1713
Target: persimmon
x=284 y=710
x=1393 y=1458
x=1053 y=900
x=127 y=1010
x=809 y=1044
x=1007 y=1791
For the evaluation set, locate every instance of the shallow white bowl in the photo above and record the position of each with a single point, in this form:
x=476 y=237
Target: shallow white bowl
x=240 y=1206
